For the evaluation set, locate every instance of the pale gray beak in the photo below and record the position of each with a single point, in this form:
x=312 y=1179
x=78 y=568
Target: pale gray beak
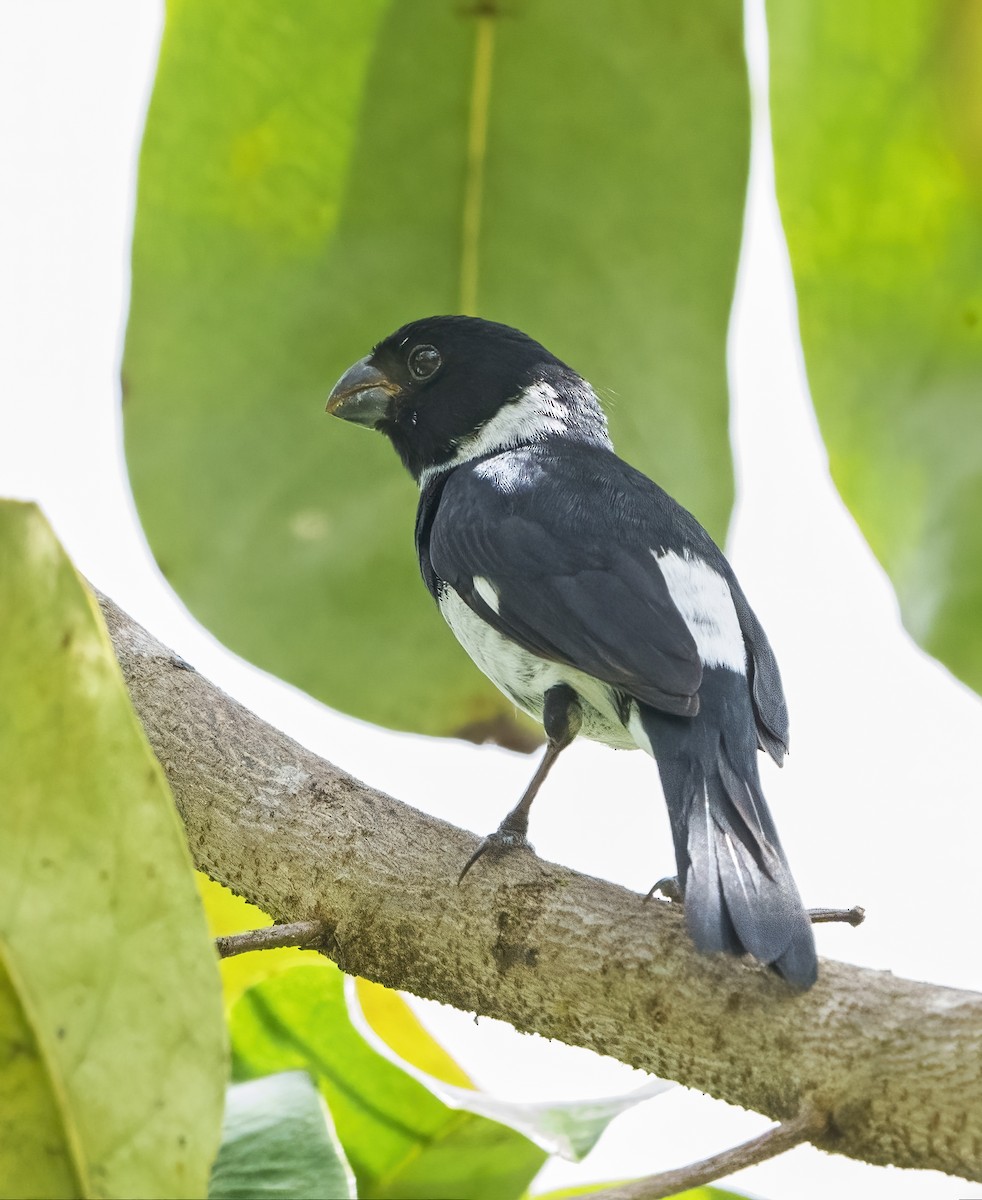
x=362 y=395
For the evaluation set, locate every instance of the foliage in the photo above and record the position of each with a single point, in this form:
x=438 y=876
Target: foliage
x=702 y=1193
x=878 y=149
x=410 y=1120
x=400 y=1138
x=112 y=1048
x=278 y=1142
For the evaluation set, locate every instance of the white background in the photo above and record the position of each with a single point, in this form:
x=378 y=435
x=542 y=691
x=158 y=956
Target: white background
x=879 y=801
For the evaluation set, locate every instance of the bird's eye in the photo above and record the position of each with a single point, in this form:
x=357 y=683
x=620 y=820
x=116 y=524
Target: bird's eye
x=424 y=361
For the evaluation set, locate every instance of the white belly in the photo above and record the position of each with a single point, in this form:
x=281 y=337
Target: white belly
x=525 y=678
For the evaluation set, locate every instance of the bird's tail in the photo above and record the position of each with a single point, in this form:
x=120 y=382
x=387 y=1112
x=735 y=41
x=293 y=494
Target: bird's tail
x=739 y=894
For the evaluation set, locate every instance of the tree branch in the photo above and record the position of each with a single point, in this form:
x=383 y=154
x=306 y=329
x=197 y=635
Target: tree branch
x=850 y=916
x=298 y=933
x=896 y=1064
x=806 y=1127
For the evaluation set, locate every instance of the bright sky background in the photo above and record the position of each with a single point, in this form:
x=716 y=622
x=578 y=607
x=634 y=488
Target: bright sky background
x=879 y=801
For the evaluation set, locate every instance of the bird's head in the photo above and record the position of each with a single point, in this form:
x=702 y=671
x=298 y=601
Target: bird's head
x=448 y=389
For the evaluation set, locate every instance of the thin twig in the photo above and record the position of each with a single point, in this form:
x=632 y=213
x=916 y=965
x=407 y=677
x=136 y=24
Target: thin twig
x=854 y=916
x=807 y=1125
x=297 y=933
x=849 y=916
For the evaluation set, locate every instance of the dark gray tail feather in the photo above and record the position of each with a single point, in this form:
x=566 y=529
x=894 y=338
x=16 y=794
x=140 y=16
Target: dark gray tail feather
x=740 y=897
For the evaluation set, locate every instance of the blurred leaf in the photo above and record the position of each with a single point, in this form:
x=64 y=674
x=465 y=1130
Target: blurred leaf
x=701 y=1193
x=277 y=1141
x=36 y=1155
x=303 y=185
x=567 y=1127
x=401 y=1140
x=112 y=1052
x=877 y=114
x=227 y=913
x=572 y=1127
x=397 y=1025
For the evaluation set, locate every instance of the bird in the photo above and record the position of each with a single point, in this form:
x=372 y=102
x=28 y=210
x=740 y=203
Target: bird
x=597 y=604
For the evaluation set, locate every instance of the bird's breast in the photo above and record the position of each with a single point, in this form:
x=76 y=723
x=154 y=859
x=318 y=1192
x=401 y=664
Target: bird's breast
x=525 y=677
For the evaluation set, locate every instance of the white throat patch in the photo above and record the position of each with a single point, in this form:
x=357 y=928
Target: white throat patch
x=533 y=416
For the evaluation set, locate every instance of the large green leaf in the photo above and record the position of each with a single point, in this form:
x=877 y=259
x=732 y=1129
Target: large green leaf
x=277 y=1143
x=313 y=175
x=391 y=1019
x=112 y=1050
x=567 y=1127
x=700 y=1193
x=401 y=1140
x=877 y=112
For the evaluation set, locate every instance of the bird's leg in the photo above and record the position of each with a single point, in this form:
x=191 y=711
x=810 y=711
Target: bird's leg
x=561 y=718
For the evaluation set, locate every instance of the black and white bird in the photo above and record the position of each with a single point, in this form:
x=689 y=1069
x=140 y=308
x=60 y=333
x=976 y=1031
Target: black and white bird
x=596 y=603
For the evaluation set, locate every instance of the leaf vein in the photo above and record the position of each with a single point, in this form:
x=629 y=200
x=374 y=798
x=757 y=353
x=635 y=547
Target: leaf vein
x=477 y=145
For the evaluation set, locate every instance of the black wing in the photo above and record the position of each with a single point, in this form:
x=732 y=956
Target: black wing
x=567 y=546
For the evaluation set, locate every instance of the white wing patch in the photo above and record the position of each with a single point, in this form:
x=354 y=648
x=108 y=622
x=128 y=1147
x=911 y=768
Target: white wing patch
x=703 y=598
x=485 y=589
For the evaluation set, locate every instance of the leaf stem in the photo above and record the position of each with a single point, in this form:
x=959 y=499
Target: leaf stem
x=477 y=141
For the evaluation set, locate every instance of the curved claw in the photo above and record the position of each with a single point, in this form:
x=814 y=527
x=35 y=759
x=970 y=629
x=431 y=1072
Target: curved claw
x=502 y=841
x=669 y=888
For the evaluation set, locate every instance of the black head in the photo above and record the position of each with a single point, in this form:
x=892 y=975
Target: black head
x=433 y=386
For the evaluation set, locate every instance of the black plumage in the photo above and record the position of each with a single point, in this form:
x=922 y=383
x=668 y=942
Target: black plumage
x=596 y=603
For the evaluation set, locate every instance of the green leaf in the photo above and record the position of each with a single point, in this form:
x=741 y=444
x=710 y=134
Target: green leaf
x=36 y=1154
x=277 y=1142
x=570 y=1128
x=390 y=1017
x=573 y=1127
x=312 y=176
x=878 y=149
x=112 y=1053
x=401 y=1140
x=700 y=1193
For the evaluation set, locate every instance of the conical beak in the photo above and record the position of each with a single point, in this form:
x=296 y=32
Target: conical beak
x=362 y=395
